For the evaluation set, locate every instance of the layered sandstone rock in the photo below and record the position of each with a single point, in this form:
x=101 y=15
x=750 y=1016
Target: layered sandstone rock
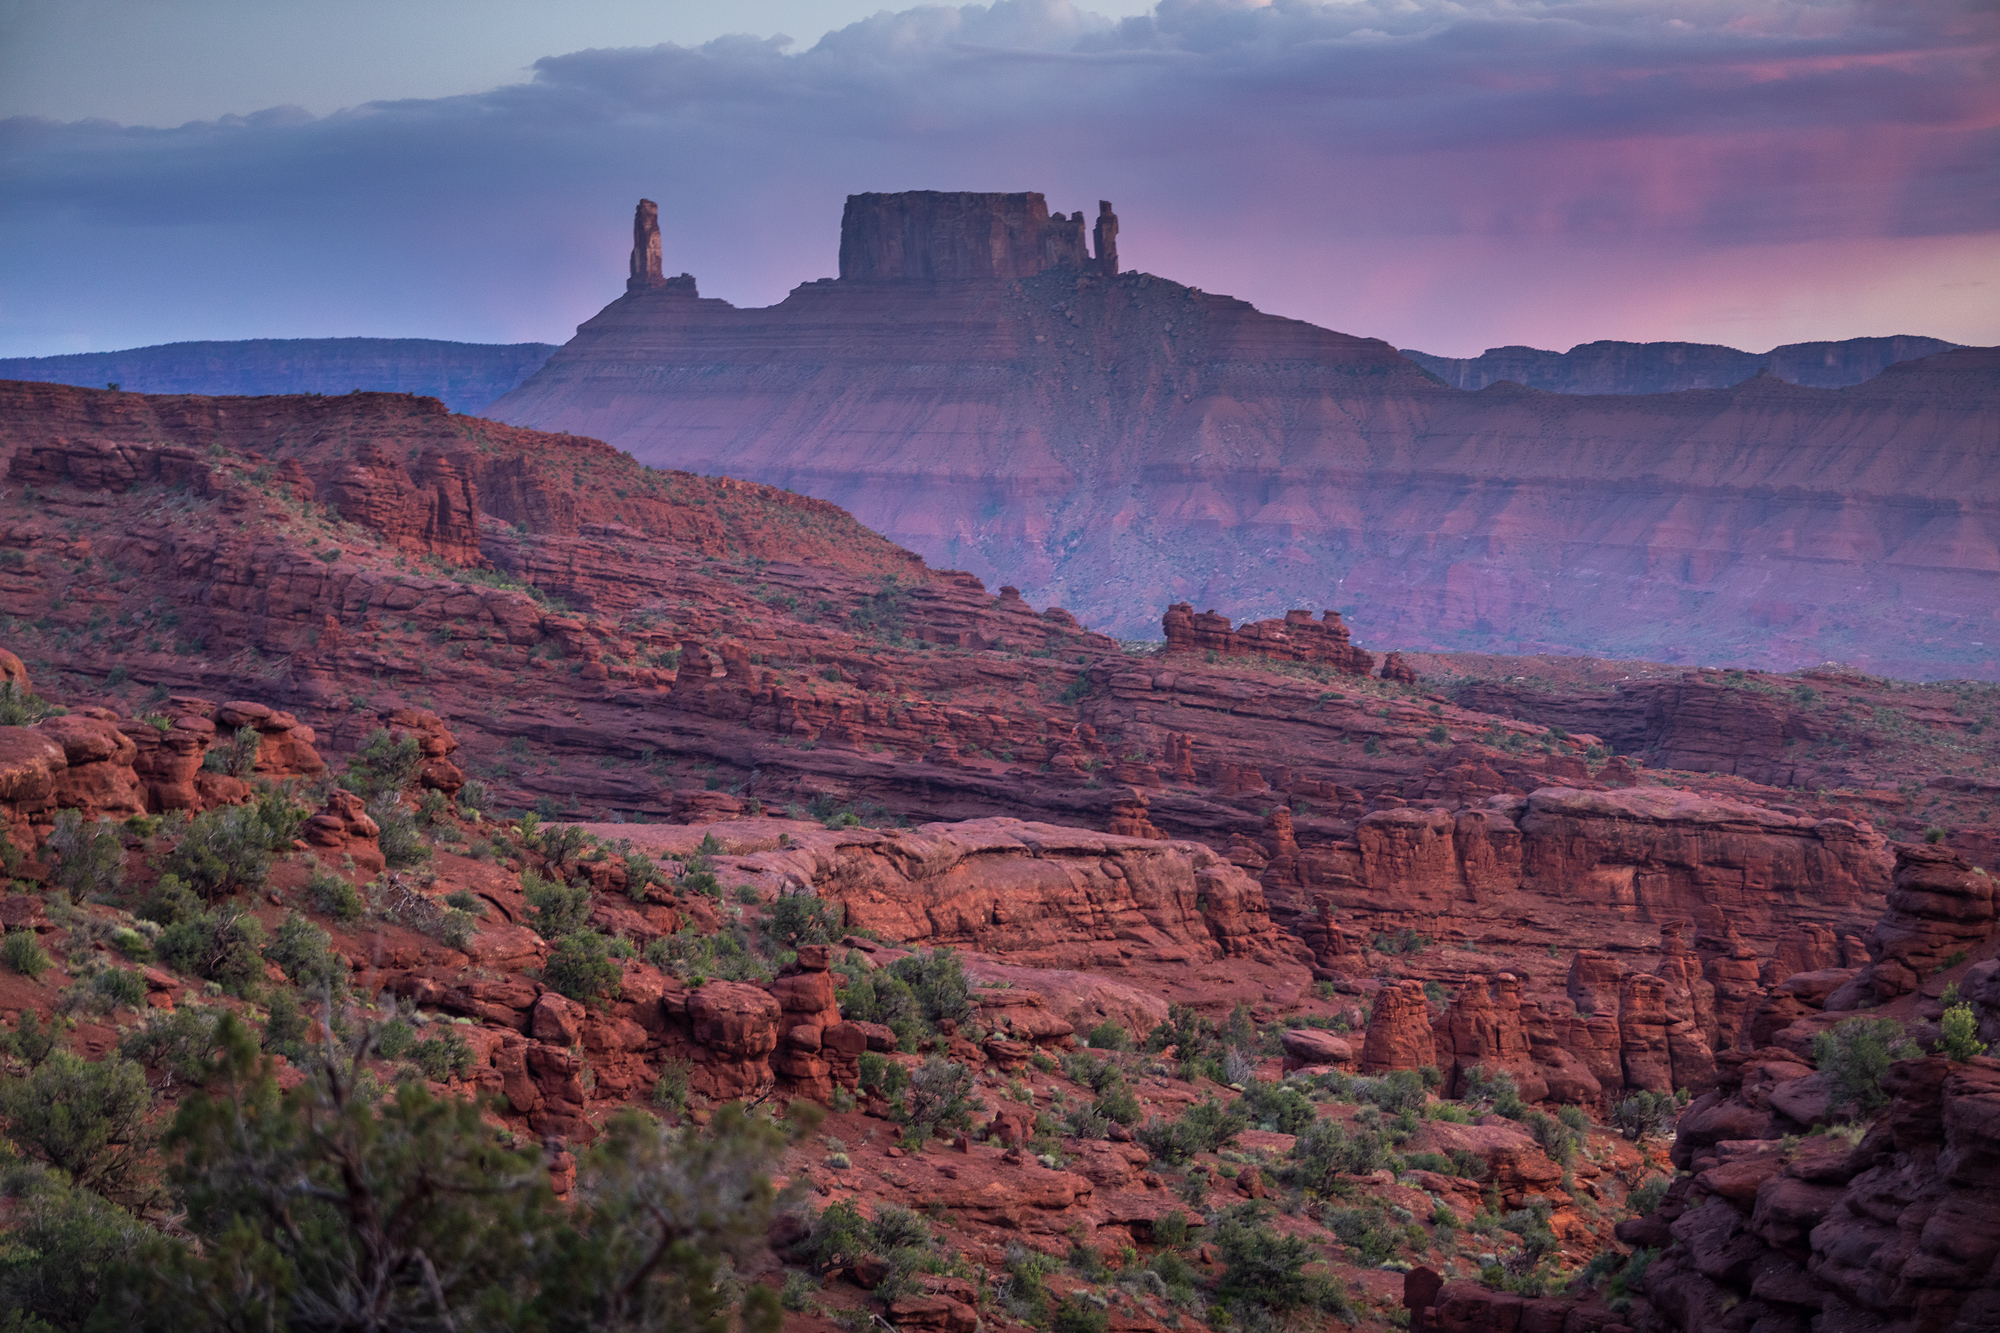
x=1939 y=908
x=1296 y=638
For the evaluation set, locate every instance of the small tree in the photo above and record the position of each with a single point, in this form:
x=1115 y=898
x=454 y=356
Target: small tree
x=89 y=855
x=81 y=1117
x=940 y=1096
x=556 y=909
x=580 y=967
x=236 y=756
x=1855 y=1055
x=223 y=852
x=1961 y=1034
x=383 y=764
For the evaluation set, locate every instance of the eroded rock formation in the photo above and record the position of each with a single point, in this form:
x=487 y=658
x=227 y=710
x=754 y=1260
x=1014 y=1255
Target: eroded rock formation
x=961 y=236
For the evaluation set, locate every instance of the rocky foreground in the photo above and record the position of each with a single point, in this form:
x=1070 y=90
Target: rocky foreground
x=1257 y=977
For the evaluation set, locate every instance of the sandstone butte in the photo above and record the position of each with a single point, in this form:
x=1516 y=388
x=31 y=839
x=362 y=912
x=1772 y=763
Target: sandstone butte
x=1399 y=862
x=1116 y=441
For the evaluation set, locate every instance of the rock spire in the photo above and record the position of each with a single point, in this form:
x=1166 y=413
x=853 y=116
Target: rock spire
x=1105 y=237
x=645 y=248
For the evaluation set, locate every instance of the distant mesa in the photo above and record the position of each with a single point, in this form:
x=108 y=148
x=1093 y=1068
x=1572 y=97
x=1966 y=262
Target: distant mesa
x=987 y=384
x=1673 y=367
x=464 y=376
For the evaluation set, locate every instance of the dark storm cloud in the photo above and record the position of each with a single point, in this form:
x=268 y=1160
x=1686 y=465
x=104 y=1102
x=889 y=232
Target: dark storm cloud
x=1306 y=126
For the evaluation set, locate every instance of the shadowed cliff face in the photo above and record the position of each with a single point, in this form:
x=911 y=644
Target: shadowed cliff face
x=1118 y=444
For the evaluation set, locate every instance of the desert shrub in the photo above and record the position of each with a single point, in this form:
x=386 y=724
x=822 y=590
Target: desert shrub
x=937 y=985
x=223 y=852
x=168 y=901
x=1368 y=1229
x=89 y=855
x=279 y=816
x=670 y=1090
x=1647 y=1197
x=454 y=928
x=802 y=918
x=222 y=945
x=1558 y=1140
x=23 y=953
x=383 y=764
x=22 y=707
x=1961 y=1034
x=1075 y=1313
x=236 y=756
x=305 y=954
x=555 y=908
x=132 y=943
x=334 y=895
x=287 y=1027
x=580 y=967
x=394 y=1037
x=640 y=875
x=474 y=798
x=63 y=1246
x=443 y=1054
x=32 y=1040
x=1395 y=1092
x=1497 y=1087
x=879 y=996
x=1024 y=1292
x=85 y=1118
x=1326 y=1149
x=883 y=1077
x=401 y=839
x=1646 y=1114
x=1263 y=1267
x=415 y=1214
x=121 y=987
x=1855 y=1055
x=180 y=1044
x=1283 y=1108
x=1109 y=1036
x=1206 y=1126
x=939 y=1097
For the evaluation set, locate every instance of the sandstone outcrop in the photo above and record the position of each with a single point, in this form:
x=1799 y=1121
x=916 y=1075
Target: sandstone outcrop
x=1941 y=906
x=1296 y=638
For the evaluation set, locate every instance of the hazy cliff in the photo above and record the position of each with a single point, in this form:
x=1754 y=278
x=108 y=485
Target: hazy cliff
x=467 y=376
x=1622 y=367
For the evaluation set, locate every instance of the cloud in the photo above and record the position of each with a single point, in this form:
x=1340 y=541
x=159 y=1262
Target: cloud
x=1352 y=163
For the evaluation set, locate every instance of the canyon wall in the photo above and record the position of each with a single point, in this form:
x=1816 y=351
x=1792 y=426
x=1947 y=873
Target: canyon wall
x=1622 y=367
x=464 y=376
x=1119 y=443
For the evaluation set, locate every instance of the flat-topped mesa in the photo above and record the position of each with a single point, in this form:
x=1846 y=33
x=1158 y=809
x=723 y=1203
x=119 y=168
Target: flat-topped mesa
x=1296 y=638
x=646 y=255
x=963 y=236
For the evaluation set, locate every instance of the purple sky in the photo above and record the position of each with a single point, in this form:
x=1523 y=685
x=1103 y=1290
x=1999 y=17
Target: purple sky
x=1449 y=176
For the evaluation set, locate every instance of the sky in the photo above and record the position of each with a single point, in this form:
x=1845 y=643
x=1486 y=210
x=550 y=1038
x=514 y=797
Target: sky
x=1447 y=174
